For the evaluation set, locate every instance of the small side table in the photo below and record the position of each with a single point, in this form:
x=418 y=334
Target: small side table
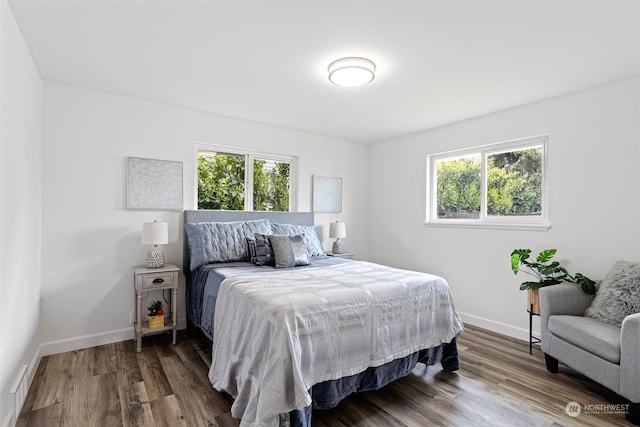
x=347 y=255
x=532 y=340
x=153 y=279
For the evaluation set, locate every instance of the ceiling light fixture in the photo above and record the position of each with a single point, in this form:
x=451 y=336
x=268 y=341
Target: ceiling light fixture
x=351 y=72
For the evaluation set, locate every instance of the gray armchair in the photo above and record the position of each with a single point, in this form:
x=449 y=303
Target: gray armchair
x=608 y=354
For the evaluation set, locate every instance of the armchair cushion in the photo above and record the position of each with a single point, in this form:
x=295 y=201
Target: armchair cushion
x=618 y=295
x=592 y=335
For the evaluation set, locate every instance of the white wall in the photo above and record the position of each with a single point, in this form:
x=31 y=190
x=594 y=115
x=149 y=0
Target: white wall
x=90 y=241
x=20 y=207
x=594 y=150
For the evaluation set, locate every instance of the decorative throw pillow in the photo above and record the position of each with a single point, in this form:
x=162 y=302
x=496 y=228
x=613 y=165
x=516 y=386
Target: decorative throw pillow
x=618 y=295
x=314 y=245
x=264 y=254
x=251 y=246
x=289 y=251
x=221 y=241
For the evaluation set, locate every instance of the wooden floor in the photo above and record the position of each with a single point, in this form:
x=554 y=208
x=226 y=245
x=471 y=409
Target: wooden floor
x=499 y=384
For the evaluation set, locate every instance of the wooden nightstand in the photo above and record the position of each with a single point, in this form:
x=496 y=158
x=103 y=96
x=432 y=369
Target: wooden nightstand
x=347 y=255
x=155 y=279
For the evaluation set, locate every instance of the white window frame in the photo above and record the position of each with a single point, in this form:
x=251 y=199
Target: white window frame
x=249 y=156
x=523 y=222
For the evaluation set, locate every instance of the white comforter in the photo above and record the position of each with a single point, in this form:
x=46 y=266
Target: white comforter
x=276 y=334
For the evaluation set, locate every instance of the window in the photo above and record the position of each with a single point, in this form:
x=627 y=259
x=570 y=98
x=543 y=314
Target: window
x=233 y=179
x=499 y=185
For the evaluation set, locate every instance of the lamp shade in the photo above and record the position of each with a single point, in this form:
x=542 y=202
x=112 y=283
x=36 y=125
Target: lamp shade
x=337 y=230
x=155 y=233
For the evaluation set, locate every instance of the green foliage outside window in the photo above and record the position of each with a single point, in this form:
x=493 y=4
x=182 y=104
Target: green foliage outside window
x=221 y=183
x=458 y=186
x=270 y=185
x=514 y=184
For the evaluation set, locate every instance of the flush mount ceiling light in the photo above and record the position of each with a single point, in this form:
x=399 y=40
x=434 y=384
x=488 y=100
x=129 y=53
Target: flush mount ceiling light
x=351 y=72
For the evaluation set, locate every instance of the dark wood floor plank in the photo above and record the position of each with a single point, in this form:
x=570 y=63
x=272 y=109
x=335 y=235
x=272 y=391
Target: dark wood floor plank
x=126 y=359
x=63 y=369
x=104 y=359
x=189 y=353
x=135 y=405
x=167 y=412
x=499 y=384
x=93 y=401
x=191 y=368
x=48 y=416
x=153 y=375
x=226 y=420
x=197 y=411
x=51 y=385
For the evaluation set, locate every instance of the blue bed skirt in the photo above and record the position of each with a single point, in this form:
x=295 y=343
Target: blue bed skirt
x=328 y=394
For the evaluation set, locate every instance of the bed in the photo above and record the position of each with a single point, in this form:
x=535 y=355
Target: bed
x=294 y=330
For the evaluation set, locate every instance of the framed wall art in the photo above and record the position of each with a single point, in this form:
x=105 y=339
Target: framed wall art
x=154 y=184
x=327 y=194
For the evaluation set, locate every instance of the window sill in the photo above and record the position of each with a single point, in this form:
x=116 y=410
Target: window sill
x=491 y=225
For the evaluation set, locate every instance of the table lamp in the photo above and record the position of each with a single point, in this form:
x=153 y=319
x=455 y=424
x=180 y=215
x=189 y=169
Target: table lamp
x=155 y=233
x=339 y=231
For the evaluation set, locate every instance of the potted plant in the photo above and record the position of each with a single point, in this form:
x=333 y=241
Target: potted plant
x=156 y=315
x=546 y=273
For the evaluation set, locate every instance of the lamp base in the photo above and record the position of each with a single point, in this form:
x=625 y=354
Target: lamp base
x=155 y=258
x=338 y=247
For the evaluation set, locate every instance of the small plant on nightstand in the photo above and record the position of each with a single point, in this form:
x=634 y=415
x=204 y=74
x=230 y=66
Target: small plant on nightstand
x=156 y=315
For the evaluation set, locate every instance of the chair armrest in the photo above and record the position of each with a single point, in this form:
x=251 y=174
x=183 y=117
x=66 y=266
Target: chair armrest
x=564 y=298
x=630 y=358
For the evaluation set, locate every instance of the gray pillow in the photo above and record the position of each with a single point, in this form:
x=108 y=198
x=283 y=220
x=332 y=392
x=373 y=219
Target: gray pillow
x=313 y=243
x=618 y=295
x=221 y=241
x=289 y=251
x=264 y=254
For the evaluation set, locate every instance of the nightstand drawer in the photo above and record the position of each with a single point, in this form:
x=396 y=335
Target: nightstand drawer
x=151 y=281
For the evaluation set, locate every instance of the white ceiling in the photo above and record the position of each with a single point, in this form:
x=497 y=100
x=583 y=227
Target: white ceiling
x=438 y=61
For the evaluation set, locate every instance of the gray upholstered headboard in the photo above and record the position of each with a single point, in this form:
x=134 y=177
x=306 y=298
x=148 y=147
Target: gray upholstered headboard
x=296 y=218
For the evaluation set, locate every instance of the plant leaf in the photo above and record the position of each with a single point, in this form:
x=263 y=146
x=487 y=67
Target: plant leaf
x=530 y=285
x=551 y=281
x=553 y=268
x=546 y=255
x=588 y=286
x=515 y=263
x=522 y=253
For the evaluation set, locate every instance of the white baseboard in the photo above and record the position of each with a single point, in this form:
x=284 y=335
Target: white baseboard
x=86 y=341
x=501 y=328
